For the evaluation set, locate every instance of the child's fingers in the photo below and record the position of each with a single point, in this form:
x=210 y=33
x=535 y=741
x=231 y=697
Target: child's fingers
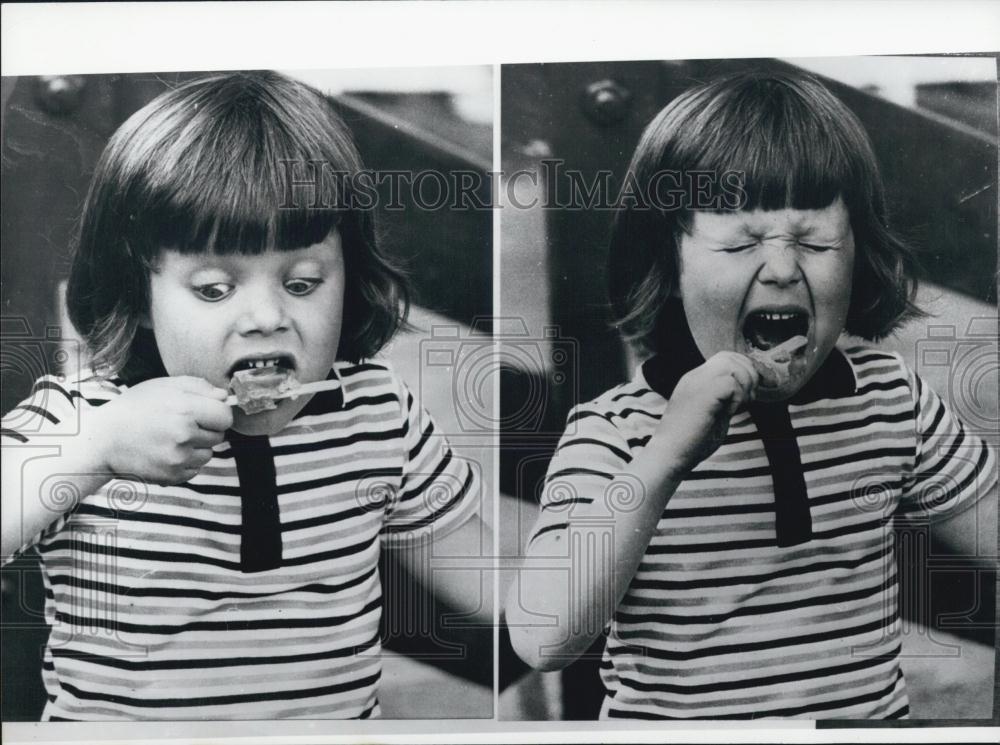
x=740 y=369
x=207 y=438
x=212 y=415
x=746 y=363
x=765 y=371
x=747 y=374
x=744 y=381
x=201 y=456
x=200 y=386
x=742 y=390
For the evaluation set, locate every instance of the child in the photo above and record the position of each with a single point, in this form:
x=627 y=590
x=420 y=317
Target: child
x=212 y=563
x=726 y=514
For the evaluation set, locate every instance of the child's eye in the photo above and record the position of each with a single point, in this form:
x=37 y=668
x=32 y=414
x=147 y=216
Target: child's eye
x=737 y=249
x=816 y=247
x=302 y=285
x=214 y=292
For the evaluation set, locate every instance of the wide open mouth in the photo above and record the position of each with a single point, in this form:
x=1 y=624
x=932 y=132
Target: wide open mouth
x=764 y=329
x=273 y=364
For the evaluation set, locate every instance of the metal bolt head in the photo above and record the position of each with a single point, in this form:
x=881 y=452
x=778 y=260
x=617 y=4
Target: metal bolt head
x=606 y=102
x=59 y=94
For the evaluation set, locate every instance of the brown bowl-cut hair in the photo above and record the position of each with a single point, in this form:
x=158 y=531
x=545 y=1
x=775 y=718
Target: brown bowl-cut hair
x=206 y=167
x=793 y=144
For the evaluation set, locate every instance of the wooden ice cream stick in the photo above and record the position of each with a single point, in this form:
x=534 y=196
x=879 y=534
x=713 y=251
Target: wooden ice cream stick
x=773 y=364
x=299 y=390
x=787 y=346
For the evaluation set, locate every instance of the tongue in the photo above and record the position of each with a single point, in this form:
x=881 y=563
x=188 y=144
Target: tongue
x=764 y=333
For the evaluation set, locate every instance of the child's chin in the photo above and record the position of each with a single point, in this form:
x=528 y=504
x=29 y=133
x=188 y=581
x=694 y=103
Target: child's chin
x=268 y=422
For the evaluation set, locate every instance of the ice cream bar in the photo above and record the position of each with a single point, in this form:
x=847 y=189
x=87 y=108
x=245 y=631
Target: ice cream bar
x=774 y=364
x=256 y=390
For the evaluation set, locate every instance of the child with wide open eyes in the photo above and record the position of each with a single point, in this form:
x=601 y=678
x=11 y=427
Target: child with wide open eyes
x=240 y=578
x=715 y=515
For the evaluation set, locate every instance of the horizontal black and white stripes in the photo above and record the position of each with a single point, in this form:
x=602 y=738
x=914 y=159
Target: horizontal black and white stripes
x=152 y=614
x=719 y=621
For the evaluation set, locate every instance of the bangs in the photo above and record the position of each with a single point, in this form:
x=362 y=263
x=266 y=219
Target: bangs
x=787 y=142
x=240 y=167
x=754 y=140
x=238 y=163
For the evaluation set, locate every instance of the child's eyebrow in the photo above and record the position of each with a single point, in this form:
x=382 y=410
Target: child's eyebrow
x=796 y=230
x=728 y=233
x=830 y=232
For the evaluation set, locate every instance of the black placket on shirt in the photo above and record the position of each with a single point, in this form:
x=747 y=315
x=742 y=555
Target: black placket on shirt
x=260 y=535
x=835 y=378
x=793 y=523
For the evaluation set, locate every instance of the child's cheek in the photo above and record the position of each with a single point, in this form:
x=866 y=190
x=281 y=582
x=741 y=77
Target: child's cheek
x=832 y=281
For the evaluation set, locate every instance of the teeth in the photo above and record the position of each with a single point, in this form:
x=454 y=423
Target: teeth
x=251 y=364
x=778 y=316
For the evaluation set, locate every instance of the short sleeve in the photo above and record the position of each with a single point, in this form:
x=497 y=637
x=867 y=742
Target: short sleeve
x=438 y=490
x=588 y=465
x=952 y=465
x=52 y=412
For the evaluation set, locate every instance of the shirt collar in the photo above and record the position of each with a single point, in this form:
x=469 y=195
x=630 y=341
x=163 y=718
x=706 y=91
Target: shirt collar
x=679 y=354
x=325 y=401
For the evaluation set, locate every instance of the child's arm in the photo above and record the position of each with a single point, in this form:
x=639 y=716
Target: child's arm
x=561 y=600
x=456 y=567
x=954 y=481
x=972 y=532
x=160 y=431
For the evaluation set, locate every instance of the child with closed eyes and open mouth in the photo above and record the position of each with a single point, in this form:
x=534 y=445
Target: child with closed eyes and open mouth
x=748 y=575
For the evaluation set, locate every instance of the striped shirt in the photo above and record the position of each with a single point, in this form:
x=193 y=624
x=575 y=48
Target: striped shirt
x=160 y=603
x=720 y=621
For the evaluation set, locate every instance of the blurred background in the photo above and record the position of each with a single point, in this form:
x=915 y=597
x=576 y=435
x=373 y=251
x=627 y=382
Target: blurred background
x=933 y=123
x=413 y=119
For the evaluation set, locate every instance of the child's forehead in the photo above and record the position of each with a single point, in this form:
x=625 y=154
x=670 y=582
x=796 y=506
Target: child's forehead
x=833 y=218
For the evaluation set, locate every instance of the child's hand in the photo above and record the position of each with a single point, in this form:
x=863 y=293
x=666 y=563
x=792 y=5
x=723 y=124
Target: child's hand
x=697 y=417
x=163 y=430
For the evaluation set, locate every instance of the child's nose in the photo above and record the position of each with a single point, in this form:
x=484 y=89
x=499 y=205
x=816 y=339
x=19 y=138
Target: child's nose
x=781 y=265
x=263 y=312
